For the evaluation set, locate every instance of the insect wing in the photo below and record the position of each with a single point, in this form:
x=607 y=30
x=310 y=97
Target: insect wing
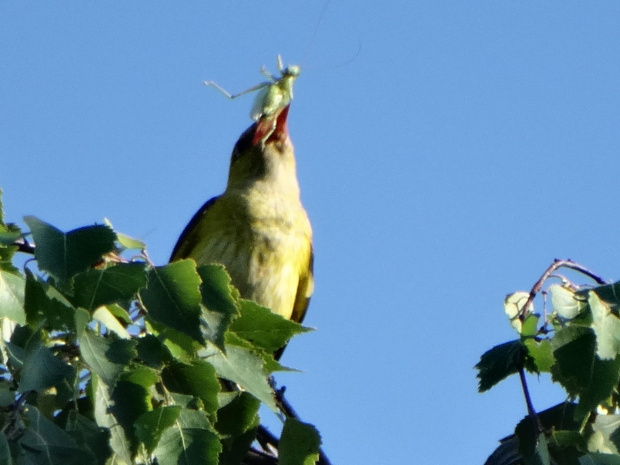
x=257 y=109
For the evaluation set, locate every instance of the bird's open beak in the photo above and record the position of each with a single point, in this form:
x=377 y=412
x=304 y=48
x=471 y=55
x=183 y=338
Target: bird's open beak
x=273 y=128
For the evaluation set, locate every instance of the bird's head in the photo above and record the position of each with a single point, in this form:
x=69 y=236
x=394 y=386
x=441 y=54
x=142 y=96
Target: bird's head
x=264 y=152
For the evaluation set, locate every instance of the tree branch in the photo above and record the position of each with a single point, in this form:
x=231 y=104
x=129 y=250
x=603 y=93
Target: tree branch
x=557 y=264
x=24 y=246
x=530 y=406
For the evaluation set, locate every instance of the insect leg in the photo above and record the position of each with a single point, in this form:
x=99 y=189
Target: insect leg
x=234 y=96
x=267 y=74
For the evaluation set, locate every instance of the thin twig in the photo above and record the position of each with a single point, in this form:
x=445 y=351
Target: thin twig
x=530 y=406
x=552 y=268
x=257 y=457
x=266 y=439
x=285 y=407
x=24 y=246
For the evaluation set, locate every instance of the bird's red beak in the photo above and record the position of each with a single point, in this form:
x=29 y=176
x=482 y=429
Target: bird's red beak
x=273 y=128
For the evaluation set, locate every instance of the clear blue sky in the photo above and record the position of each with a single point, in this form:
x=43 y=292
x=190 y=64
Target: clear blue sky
x=466 y=146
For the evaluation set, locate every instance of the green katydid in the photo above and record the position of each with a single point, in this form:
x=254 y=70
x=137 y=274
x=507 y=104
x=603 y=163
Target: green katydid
x=274 y=94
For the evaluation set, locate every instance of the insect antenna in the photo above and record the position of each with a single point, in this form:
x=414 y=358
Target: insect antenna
x=314 y=33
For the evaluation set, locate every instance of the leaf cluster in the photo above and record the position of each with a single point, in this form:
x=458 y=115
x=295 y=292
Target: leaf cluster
x=576 y=343
x=106 y=359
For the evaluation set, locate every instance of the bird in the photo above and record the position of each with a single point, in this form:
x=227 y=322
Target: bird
x=258 y=228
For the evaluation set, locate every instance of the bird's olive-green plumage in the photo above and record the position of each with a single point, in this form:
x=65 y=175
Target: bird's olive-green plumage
x=258 y=227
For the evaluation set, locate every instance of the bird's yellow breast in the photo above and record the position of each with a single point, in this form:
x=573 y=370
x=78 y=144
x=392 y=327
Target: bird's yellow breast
x=264 y=241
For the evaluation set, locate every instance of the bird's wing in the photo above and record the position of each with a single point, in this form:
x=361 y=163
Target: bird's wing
x=188 y=240
x=302 y=298
x=304 y=291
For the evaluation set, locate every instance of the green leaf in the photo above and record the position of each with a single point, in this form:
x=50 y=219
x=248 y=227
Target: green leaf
x=104 y=316
x=269 y=361
x=181 y=346
x=8 y=235
x=186 y=401
x=41 y=369
x=130 y=401
x=541 y=452
x=540 y=355
x=7 y=238
x=82 y=318
x=151 y=425
x=6 y=256
x=299 y=443
x=580 y=371
x=172 y=297
x=126 y=403
x=15 y=353
x=568 y=438
x=263 y=328
x=606 y=434
x=599 y=459
x=89 y=436
x=573 y=349
x=5 y=451
x=237 y=422
x=45 y=306
x=610 y=294
x=530 y=325
x=219 y=298
x=12 y=297
x=198 y=379
x=565 y=302
x=606 y=326
x=558 y=417
x=242 y=367
x=7 y=251
x=63 y=255
x=127 y=242
x=190 y=441
x=120 y=438
x=117 y=283
x=604 y=379
x=120 y=313
x=107 y=357
x=152 y=351
x=45 y=443
x=498 y=363
x=142 y=375
x=7 y=394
